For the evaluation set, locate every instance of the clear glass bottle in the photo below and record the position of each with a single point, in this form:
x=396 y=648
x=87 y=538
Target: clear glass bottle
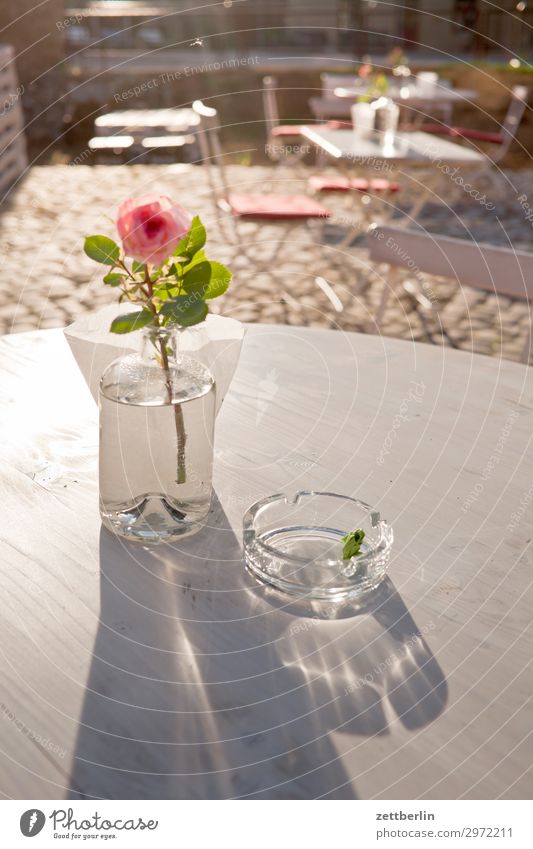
x=157 y=413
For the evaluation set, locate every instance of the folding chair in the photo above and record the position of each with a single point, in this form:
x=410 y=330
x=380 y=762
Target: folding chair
x=276 y=132
x=501 y=141
x=502 y=271
x=289 y=208
x=258 y=205
x=318 y=183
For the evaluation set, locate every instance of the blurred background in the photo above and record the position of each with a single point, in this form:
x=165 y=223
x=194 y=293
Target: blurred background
x=75 y=58
x=97 y=101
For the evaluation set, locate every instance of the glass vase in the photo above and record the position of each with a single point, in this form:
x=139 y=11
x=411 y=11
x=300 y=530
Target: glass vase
x=363 y=117
x=157 y=413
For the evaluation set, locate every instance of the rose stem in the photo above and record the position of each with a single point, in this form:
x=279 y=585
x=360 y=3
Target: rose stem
x=181 y=435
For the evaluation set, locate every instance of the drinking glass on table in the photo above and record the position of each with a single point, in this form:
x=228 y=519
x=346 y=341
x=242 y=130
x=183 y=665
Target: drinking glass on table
x=388 y=115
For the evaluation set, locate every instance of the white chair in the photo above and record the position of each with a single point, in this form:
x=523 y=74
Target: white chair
x=283 y=140
x=293 y=208
x=500 y=142
x=294 y=151
x=502 y=271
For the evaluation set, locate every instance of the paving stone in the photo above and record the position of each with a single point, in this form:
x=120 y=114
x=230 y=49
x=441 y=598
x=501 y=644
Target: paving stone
x=48 y=323
x=21 y=327
x=274 y=265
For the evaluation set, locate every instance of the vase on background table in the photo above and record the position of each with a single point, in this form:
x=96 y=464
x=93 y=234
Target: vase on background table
x=363 y=117
x=427 y=83
x=157 y=413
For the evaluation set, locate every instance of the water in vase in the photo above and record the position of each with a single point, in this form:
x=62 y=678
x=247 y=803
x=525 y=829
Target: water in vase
x=156 y=448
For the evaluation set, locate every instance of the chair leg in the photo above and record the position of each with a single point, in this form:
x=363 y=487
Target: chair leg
x=424 y=307
x=388 y=286
x=491 y=177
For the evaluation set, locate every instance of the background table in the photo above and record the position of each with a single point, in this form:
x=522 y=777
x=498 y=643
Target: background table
x=419 y=101
x=408 y=150
x=156 y=673
x=413 y=148
x=409 y=94
x=146 y=129
x=138 y=122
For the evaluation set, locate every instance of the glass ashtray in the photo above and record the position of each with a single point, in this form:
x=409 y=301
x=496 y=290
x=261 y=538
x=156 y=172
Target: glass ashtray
x=294 y=543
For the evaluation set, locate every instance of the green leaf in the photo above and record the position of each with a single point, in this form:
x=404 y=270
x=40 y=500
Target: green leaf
x=137 y=267
x=176 y=270
x=198 y=257
x=219 y=282
x=131 y=321
x=102 y=249
x=193 y=240
x=207 y=279
x=185 y=310
x=165 y=285
x=114 y=279
x=196 y=281
x=352 y=543
x=166 y=289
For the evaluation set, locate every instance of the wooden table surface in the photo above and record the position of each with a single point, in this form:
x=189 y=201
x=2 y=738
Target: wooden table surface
x=169 y=673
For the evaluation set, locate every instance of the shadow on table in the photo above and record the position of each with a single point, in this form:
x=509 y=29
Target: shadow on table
x=203 y=684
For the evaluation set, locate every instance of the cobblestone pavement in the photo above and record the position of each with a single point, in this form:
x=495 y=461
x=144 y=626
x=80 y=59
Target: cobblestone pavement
x=46 y=281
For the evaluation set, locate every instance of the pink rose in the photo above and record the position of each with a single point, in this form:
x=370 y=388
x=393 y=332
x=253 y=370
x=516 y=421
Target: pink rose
x=151 y=227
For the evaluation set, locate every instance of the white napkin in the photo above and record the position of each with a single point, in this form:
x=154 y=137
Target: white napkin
x=216 y=342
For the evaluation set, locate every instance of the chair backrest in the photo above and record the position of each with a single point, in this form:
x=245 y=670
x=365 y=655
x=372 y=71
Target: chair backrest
x=500 y=270
x=208 y=135
x=515 y=113
x=270 y=103
x=13 y=159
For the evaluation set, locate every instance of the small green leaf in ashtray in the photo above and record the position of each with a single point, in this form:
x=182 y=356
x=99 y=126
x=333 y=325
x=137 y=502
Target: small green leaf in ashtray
x=352 y=543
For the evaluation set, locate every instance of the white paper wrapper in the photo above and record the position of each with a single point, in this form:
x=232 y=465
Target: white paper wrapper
x=216 y=342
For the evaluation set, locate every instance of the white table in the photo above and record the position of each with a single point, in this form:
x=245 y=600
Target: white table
x=336 y=102
x=413 y=148
x=141 y=122
x=149 y=129
x=133 y=673
x=409 y=95
x=405 y=152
